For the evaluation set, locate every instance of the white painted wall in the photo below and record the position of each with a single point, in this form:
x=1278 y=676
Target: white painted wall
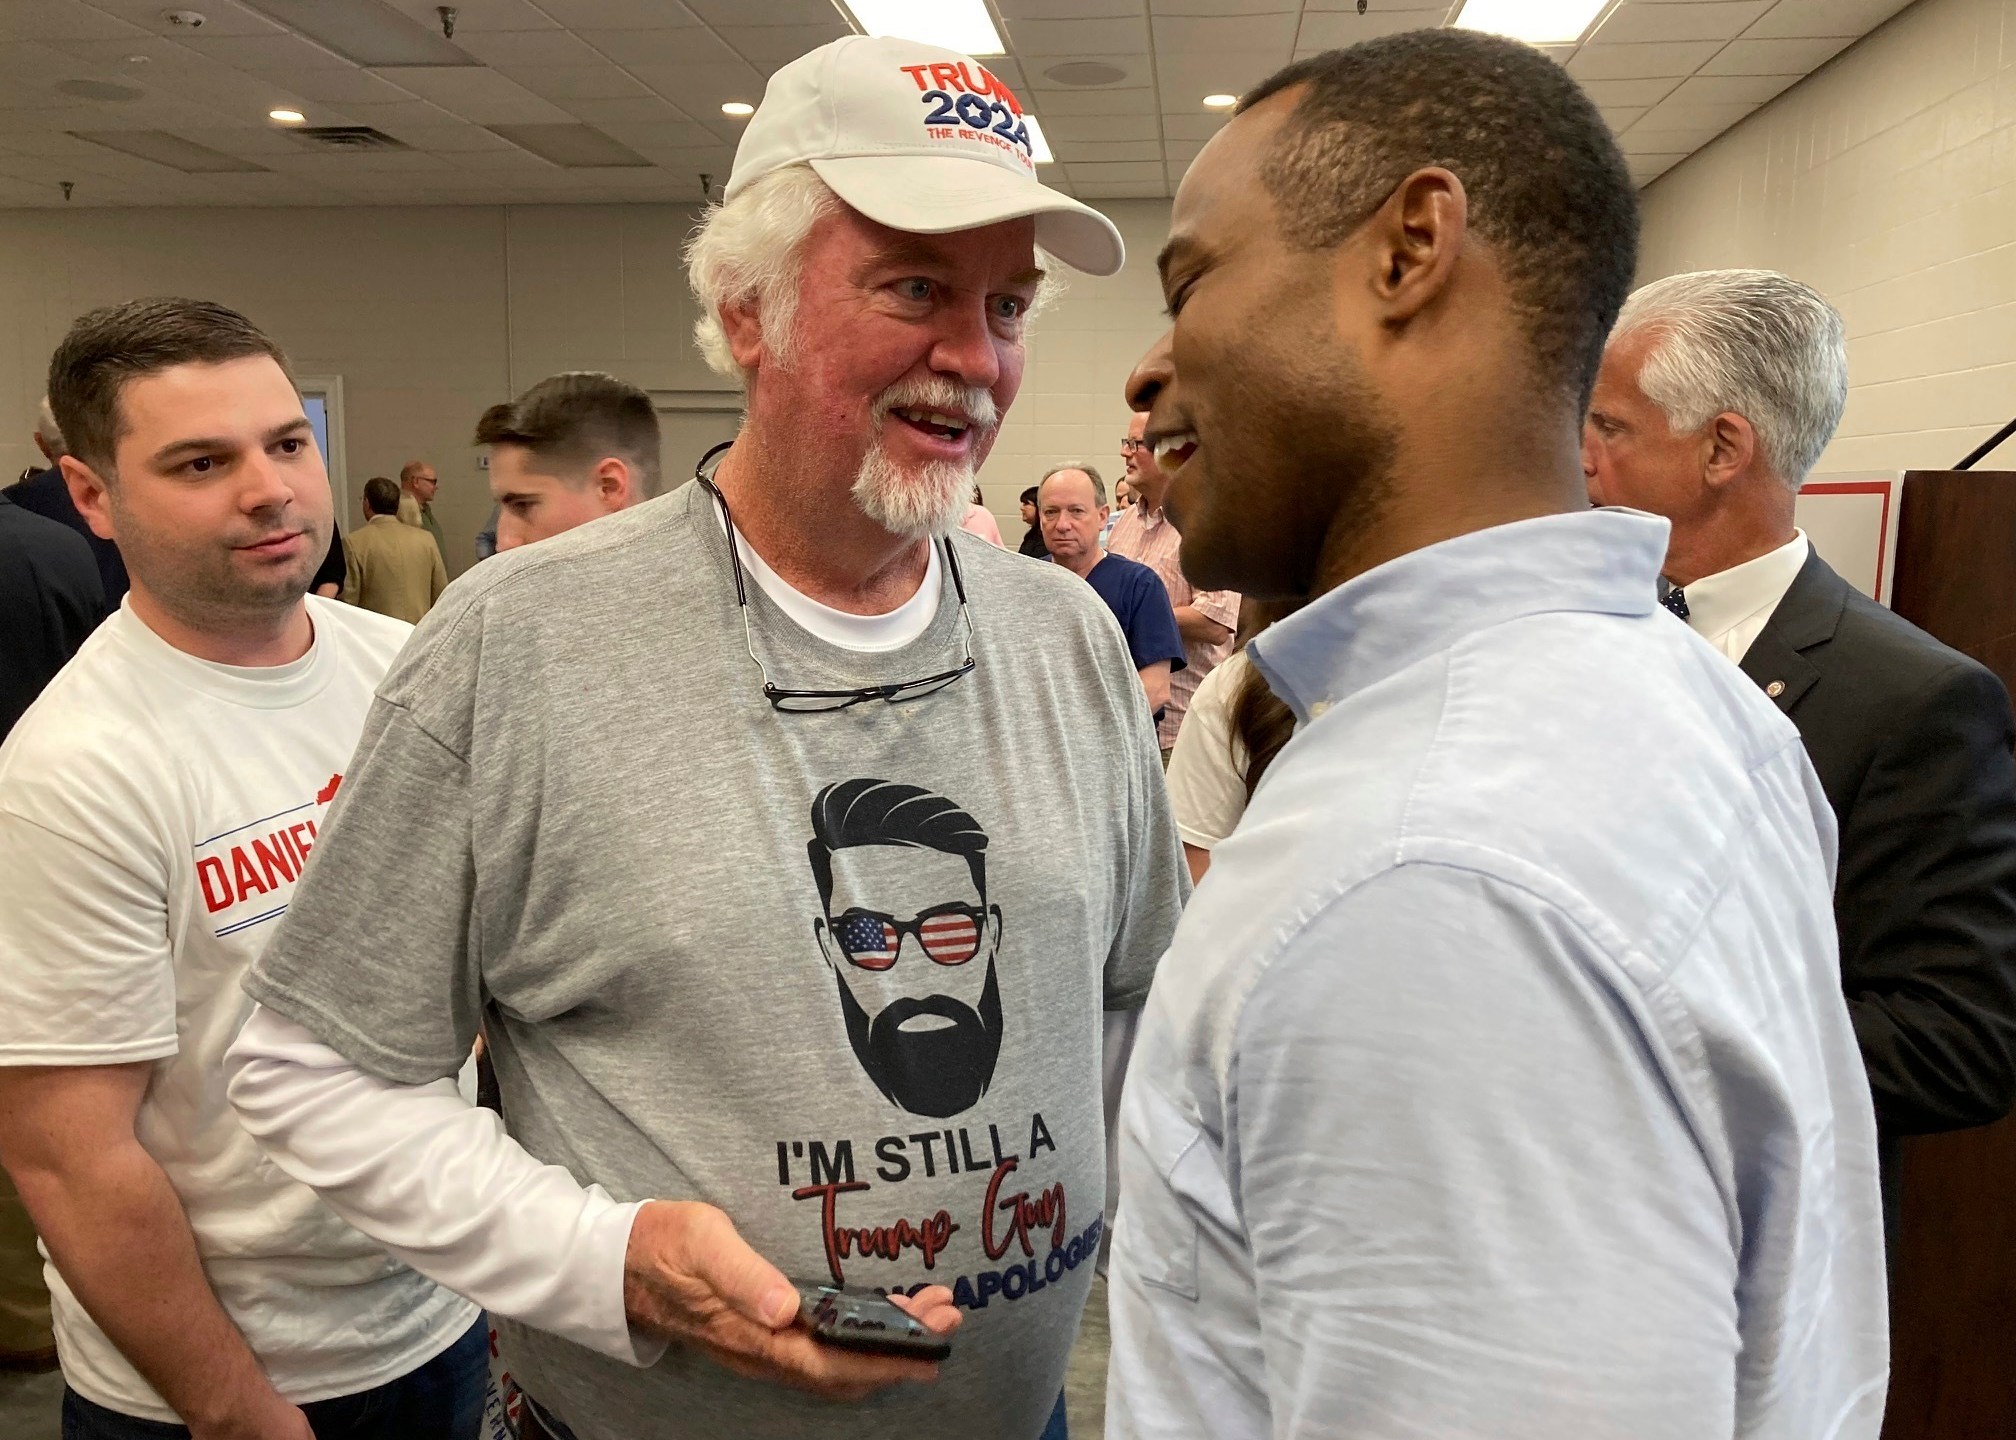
x=1888 y=181
x=430 y=314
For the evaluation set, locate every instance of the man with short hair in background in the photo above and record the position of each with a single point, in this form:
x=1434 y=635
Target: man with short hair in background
x=417 y=484
x=1071 y=501
x=1498 y=1081
x=1206 y=619
x=157 y=805
x=43 y=492
x=727 y=817
x=573 y=448
x=1718 y=392
x=388 y=567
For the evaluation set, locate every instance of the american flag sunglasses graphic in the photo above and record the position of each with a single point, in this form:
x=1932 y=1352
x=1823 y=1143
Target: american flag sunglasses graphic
x=950 y=935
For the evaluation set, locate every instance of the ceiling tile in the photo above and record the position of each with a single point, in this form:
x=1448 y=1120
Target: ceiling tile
x=693 y=47
x=1806 y=19
x=1013 y=10
x=1136 y=71
x=347 y=87
x=457 y=139
x=1621 y=120
x=1129 y=170
x=401 y=113
x=1117 y=101
x=506 y=49
x=579 y=82
x=1775 y=57
x=1100 y=129
x=1640 y=62
x=1750 y=90
x=1087 y=152
x=474 y=17
x=637 y=110
x=1607 y=93
x=62 y=20
x=1122 y=190
x=771 y=47
x=1718 y=20
x=762 y=12
x=584 y=15
x=1336 y=31
x=658 y=136
x=220 y=17
x=266 y=54
x=482 y=96
x=1083 y=39
x=1186 y=79
x=1179 y=33
x=1226 y=7
x=1647 y=168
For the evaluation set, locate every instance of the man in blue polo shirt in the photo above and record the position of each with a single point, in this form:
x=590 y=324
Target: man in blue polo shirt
x=1071 y=507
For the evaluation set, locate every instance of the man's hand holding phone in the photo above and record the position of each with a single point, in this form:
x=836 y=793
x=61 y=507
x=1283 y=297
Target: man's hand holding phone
x=690 y=1277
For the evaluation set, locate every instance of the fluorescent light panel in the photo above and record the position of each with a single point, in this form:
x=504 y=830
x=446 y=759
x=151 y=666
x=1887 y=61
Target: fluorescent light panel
x=170 y=150
x=368 y=32
x=962 y=25
x=1537 y=22
x=575 y=147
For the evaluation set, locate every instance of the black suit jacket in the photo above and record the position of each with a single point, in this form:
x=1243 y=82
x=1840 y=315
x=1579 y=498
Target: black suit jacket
x=1913 y=744
x=44 y=492
x=50 y=599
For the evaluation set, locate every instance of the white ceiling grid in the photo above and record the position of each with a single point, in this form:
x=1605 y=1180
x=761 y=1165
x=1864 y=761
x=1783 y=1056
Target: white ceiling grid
x=652 y=75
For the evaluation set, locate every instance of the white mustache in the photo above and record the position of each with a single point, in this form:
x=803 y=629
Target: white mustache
x=941 y=395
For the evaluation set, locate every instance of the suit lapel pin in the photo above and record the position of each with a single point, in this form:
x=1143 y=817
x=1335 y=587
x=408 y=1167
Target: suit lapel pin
x=1775 y=689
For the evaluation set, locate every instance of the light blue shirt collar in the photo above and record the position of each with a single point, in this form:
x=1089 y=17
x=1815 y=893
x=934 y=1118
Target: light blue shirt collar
x=1604 y=561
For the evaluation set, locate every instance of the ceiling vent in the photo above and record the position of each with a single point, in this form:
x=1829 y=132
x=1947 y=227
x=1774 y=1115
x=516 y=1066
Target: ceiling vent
x=345 y=137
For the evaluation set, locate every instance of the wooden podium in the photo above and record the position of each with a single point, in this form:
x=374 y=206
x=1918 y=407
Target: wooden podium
x=1953 y=1307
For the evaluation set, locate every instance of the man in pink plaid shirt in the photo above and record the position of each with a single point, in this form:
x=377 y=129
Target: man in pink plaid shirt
x=1206 y=619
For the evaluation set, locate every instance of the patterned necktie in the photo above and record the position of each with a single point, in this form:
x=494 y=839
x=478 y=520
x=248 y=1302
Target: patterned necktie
x=1675 y=599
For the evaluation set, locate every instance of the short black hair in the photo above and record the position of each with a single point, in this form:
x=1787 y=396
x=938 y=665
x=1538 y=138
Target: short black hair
x=578 y=418
x=885 y=812
x=115 y=344
x=381 y=495
x=1548 y=187
x=1029 y=495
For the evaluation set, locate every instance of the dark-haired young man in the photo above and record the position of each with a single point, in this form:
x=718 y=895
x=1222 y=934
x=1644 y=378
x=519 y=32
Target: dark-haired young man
x=156 y=806
x=1498 y=1083
x=573 y=448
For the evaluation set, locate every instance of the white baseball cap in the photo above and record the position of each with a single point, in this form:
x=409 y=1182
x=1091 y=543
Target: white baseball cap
x=918 y=139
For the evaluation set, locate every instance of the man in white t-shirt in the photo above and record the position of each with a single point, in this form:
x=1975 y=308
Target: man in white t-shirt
x=157 y=804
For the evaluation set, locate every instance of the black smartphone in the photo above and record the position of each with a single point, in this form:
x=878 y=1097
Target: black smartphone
x=863 y=1320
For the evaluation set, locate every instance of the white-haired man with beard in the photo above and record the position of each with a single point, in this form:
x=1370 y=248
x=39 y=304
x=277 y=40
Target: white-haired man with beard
x=680 y=803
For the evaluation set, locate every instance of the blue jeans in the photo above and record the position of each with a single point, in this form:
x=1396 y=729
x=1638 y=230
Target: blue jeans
x=1056 y=1429
x=442 y=1400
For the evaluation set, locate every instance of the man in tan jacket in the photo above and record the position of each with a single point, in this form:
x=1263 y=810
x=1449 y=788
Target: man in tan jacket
x=392 y=568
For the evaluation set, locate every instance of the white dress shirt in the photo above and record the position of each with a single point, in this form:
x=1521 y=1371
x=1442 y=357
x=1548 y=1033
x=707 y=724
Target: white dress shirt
x=1730 y=610
x=1498 y=1081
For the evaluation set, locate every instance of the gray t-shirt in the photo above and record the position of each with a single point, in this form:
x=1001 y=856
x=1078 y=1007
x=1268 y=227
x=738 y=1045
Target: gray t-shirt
x=840 y=974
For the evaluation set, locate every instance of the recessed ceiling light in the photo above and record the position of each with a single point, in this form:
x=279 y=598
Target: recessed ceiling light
x=738 y=108
x=1537 y=22
x=962 y=25
x=1038 y=146
x=1220 y=102
x=286 y=117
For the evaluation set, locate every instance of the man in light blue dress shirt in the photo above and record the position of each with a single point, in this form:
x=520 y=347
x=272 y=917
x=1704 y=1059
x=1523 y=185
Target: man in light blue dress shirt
x=1498 y=1082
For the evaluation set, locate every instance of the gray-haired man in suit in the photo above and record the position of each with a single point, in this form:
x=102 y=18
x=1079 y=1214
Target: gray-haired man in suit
x=1718 y=392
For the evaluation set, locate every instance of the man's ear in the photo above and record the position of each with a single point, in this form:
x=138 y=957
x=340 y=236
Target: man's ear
x=615 y=486
x=821 y=930
x=743 y=327
x=1729 y=449
x=994 y=923
x=87 y=493
x=1415 y=238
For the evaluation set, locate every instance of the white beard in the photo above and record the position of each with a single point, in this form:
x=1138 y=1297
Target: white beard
x=916 y=504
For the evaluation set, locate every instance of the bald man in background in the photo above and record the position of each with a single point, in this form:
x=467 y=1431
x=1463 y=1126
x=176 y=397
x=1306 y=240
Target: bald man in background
x=417 y=484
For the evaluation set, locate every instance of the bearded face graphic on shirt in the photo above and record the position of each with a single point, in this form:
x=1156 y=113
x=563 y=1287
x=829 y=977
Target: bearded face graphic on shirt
x=910 y=937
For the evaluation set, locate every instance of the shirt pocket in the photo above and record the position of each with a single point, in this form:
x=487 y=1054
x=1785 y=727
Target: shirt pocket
x=1163 y=1224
